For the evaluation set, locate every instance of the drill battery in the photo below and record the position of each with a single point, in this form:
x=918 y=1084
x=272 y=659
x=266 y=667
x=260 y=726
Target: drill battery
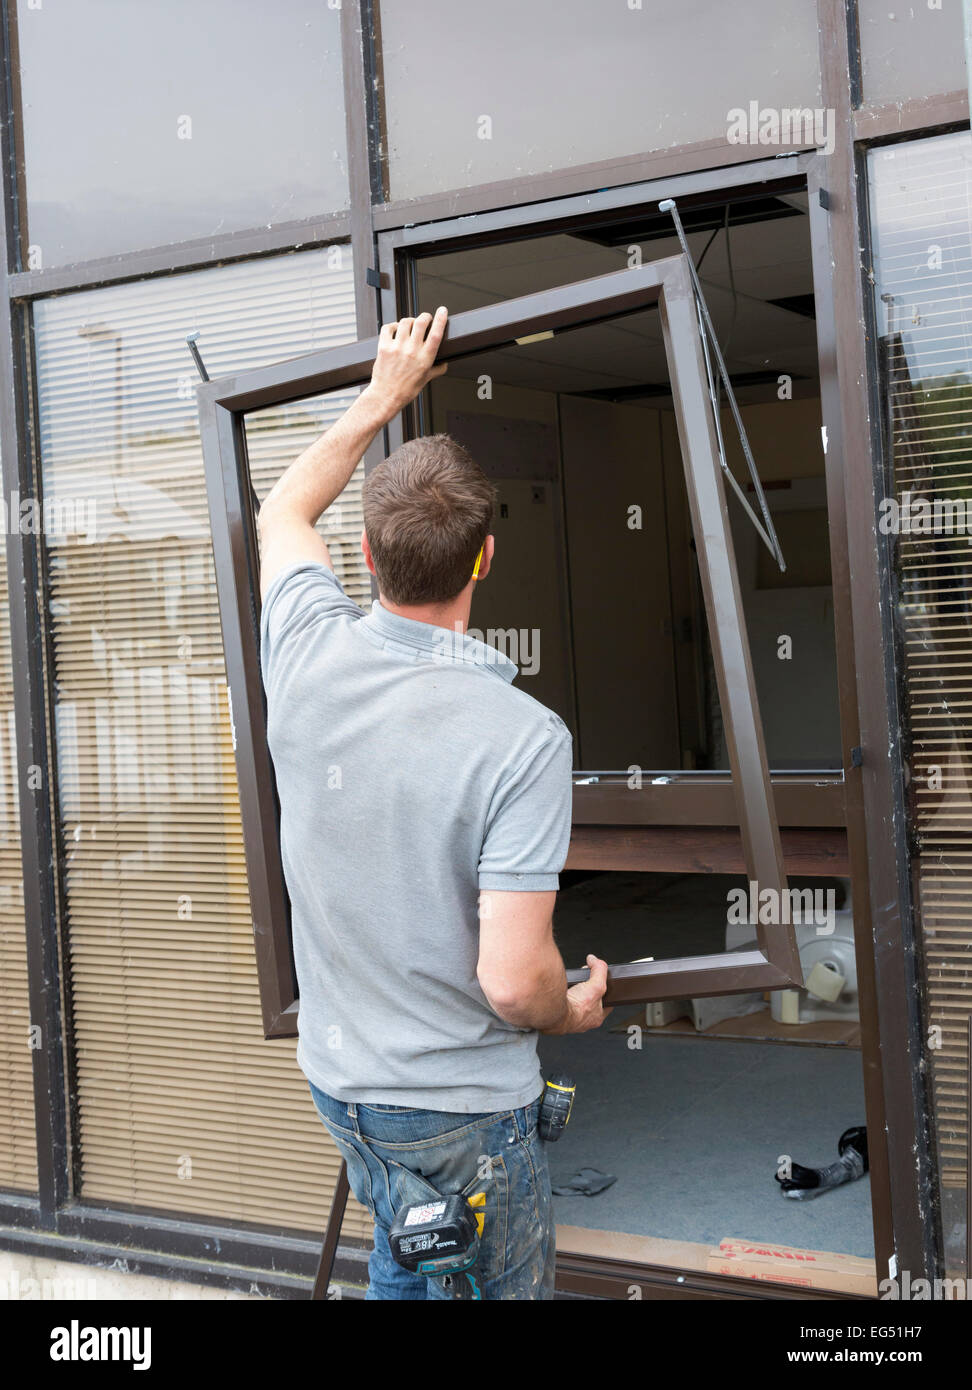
x=439 y=1237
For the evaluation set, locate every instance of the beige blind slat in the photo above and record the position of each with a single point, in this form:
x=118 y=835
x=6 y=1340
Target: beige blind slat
x=183 y=1105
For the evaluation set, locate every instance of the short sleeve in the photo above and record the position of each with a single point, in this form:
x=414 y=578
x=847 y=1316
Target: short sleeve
x=528 y=832
x=300 y=597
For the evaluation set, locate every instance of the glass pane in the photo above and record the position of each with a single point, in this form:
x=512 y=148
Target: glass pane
x=921 y=196
x=578 y=429
x=18 y=1147
x=183 y=1105
x=169 y=120
x=522 y=89
x=910 y=50
x=274 y=438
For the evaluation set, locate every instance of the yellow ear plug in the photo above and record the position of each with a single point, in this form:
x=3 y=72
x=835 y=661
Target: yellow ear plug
x=479 y=557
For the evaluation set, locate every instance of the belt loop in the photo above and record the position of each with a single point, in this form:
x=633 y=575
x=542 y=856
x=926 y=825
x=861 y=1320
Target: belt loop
x=353 y=1117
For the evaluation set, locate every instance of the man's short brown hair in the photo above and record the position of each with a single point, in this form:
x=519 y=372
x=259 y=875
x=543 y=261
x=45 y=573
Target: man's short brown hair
x=428 y=508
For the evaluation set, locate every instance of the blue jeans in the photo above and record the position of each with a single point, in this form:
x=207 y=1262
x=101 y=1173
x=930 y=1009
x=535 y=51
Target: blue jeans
x=397 y=1156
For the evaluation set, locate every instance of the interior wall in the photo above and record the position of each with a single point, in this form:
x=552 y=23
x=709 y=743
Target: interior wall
x=796 y=683
x=601 y=605
x=617 y=546
x=523 y=600
x=686 y=602
x=785 y=439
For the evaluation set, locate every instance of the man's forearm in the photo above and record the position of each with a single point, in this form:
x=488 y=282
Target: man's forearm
x=319 y=475
x=549 y=1011
x=544 y=1007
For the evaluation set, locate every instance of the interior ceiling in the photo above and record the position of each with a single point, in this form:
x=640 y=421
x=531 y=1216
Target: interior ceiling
x=770 y=261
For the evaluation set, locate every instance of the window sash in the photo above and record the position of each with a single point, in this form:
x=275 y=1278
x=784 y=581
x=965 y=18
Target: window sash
x=223 y=405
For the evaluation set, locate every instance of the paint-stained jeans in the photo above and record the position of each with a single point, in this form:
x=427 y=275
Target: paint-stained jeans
x=397 y=1156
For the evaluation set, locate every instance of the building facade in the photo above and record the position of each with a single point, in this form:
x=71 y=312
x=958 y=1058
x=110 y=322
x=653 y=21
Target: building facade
x=281 y=182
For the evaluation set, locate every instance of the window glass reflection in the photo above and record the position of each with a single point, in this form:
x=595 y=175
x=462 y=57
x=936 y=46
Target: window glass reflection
x=910 y=50
x=523 y=89
x=921 y=195
x=167 y=120
x=174 y=1102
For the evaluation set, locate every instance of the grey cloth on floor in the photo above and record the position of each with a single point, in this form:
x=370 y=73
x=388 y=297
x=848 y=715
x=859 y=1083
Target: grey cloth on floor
x=586 y=1183
x=848 y=1167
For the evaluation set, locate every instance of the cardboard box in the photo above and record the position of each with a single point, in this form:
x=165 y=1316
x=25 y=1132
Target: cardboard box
x=786 y=1264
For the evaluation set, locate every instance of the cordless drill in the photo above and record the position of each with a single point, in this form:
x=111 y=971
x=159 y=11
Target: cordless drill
x=441 y=1238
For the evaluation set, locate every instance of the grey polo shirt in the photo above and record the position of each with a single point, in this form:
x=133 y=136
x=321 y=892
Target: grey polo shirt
x=411 y=774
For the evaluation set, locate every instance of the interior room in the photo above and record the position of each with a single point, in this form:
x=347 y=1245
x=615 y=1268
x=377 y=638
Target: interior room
x=691 y=1106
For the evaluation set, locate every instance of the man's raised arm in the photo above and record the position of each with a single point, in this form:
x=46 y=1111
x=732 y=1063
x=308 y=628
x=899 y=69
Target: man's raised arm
x=405 y=364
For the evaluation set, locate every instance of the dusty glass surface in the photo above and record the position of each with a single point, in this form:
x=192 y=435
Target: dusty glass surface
x=164 y=121
x=523 y=89
x=921 y=195
x=910 y=50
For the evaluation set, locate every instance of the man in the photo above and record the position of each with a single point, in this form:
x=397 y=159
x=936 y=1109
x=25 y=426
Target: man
x=413 y=778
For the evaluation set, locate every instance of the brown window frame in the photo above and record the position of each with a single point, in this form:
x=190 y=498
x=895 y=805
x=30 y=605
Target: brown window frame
x=223 y=406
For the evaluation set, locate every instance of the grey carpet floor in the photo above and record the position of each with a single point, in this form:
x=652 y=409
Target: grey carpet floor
x=693 y=1129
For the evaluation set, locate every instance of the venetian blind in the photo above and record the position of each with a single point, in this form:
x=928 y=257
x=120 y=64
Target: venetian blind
x=183 y=1105
x=274 y=437
x=18 y=1148
x=921 y=210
